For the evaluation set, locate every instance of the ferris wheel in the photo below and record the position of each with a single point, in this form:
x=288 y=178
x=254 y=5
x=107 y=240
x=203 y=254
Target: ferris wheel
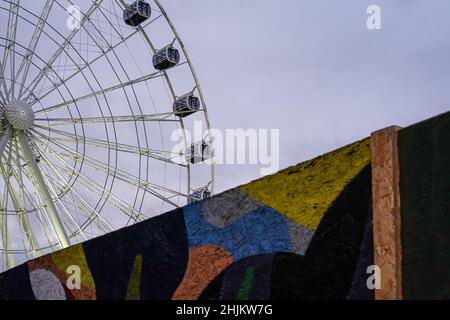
x=91 y=94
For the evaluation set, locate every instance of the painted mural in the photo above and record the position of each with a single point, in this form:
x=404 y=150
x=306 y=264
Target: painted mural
x=303 y=233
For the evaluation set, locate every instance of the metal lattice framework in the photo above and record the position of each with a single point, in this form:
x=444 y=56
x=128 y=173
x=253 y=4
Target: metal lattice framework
x=86 y=123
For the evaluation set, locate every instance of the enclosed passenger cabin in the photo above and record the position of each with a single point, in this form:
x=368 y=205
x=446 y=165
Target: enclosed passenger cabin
x=136 y=13
x=186 y=105
x=166 y=58
x=198 y=152
x=199 y=194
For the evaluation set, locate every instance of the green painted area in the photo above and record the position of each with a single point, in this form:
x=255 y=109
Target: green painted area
x=74 y=255
x=303 y=193
x=133 y=291
x=244 y=291
x=425 y=208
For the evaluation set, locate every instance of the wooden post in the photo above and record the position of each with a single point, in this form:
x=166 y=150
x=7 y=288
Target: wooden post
x=386 y=212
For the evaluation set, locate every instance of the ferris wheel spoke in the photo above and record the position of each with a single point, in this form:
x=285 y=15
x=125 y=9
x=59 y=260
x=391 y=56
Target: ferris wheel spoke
x=8 y=54
x=89 y=219
x=26 y=61
x=130 y=179
x=104 y=194
x=161 y=155
x=44 y=221
x=40 y=183
x=156 y=117
x=129 y=80
x=83 y=208
x=113 y=26
x=95 y=187
x=19 y=207
x=65 y=185
x=35 y=82
x=3 y=79
x=101 y=92
x=4 y=140
x=22 y=217
x=89 y=63
x=6 y=238
x=71 y=223
x=119 y=174
x=20 y=173
x=40 y=207
x=4 y=96
x=25 y=225
x=77 y=203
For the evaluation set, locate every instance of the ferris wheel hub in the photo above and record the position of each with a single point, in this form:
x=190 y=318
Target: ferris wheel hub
x=19 y=114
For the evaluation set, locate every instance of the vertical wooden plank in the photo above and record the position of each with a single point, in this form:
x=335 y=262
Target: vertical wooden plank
x=386 y=212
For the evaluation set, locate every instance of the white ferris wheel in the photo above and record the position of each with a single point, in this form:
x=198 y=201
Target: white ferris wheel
x=91 y=92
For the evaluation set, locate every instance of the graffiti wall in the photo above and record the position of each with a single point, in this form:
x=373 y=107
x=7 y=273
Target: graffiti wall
x=302 y=233
x=308 y=232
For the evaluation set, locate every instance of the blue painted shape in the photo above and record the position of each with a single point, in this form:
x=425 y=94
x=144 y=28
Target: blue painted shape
x=15 y=284
x=262 y=231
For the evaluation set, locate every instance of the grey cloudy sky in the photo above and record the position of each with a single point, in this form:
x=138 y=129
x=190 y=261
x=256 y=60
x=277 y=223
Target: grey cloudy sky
x=314 y=70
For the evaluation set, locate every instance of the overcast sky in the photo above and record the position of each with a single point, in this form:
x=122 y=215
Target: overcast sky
x=312 y=69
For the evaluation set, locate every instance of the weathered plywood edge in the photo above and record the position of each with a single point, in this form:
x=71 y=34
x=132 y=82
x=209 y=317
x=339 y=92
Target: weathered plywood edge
x=386 y=212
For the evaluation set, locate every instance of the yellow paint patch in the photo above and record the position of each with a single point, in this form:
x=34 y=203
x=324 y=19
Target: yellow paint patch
x=303 y=193
x=133 y=292
x=74 y=255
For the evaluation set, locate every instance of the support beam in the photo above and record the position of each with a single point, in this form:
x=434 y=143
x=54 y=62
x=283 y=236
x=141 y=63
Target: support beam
x=42 y=188
x=386 y=212
x=22 y=217
x=4 y=140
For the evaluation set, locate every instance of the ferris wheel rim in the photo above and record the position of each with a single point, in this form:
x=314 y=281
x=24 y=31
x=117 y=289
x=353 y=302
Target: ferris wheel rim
x=36 y=132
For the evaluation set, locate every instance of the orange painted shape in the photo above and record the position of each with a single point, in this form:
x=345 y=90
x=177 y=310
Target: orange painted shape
x=206 y=262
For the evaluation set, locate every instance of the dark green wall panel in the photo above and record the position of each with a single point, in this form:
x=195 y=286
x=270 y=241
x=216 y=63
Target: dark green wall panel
x=425 y=208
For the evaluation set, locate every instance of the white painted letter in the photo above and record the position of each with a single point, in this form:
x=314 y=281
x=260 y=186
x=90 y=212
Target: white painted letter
x=73 y=22
x=374 y=19
x=74 y=280
x=374 y=281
